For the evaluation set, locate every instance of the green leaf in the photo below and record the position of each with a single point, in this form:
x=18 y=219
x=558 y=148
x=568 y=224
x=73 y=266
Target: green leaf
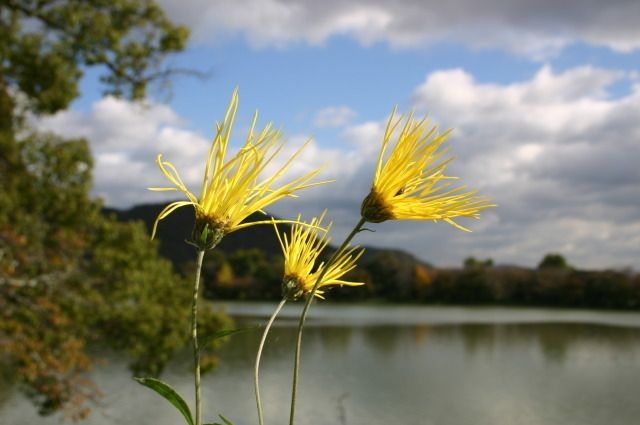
x=169 y=394
x=224 y=332
x=225 y=420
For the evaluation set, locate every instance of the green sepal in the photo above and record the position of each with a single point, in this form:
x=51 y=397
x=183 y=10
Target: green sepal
x=206 y=236
x=171 y=395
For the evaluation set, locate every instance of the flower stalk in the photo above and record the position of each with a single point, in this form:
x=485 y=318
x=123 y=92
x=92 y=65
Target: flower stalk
x=303 y=316
x=256 y=377
x=194 y=337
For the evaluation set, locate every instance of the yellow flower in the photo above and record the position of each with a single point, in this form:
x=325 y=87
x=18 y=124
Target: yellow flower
x=231 y=190
x=410 y=182
x=301 y=253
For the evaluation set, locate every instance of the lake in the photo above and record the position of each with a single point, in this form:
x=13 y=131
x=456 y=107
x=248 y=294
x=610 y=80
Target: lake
x=367 y=364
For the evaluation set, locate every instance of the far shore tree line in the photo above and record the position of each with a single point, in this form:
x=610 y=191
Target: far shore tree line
x=394 y=276
x=248 y=266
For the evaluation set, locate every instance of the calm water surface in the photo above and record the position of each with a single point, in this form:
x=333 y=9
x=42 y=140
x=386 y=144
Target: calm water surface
x=402 y=365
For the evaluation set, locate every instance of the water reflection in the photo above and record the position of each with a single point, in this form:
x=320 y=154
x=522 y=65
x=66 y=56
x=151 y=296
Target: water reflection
x=336 y=339
x=537 y=373
x=385 y=340
x=421 y=333
x=553 y=340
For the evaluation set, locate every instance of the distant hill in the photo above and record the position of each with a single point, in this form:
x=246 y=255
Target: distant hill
x=173 y=230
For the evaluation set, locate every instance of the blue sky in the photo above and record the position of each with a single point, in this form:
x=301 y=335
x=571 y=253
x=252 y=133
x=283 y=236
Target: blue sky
x=544 y=99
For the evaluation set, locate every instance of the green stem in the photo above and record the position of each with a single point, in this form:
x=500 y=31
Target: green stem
x=256 y=378
x=194 y=336
x=305 y=309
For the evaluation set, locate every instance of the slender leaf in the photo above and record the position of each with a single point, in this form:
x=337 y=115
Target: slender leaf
x=171 y=395
x=225 y=420
x=224 y=332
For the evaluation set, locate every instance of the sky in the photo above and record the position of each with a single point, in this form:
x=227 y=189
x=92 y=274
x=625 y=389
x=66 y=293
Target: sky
x=543 y=98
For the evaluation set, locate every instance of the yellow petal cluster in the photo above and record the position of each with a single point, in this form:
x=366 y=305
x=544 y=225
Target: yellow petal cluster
x=410 y=181
x=231 y=188
x=301 y=254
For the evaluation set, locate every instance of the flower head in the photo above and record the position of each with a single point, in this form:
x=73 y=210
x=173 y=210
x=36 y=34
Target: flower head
x=301 y=253
x=410 y=182
x=231 y=189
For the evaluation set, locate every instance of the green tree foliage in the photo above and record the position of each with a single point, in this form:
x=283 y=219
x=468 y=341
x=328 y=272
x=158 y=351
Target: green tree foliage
x=45 y=44
x=144 y=306
x=536 y=287
x=69 y=276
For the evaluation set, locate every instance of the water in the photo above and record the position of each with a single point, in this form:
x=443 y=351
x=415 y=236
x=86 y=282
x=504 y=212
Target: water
x=403 y=365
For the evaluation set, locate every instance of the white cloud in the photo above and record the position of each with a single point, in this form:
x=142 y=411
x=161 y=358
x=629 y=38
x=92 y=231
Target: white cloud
x=536 y=29
x=365 y=136
x=556 y=152
x=334 y=116
x=125 y=138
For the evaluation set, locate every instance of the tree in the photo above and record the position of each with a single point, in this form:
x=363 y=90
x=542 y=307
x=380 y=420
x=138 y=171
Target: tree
x=472 y=262
x=69 y=276
x=554 y=261
x=143 y=304
x=392 y=274
x=47 y=43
